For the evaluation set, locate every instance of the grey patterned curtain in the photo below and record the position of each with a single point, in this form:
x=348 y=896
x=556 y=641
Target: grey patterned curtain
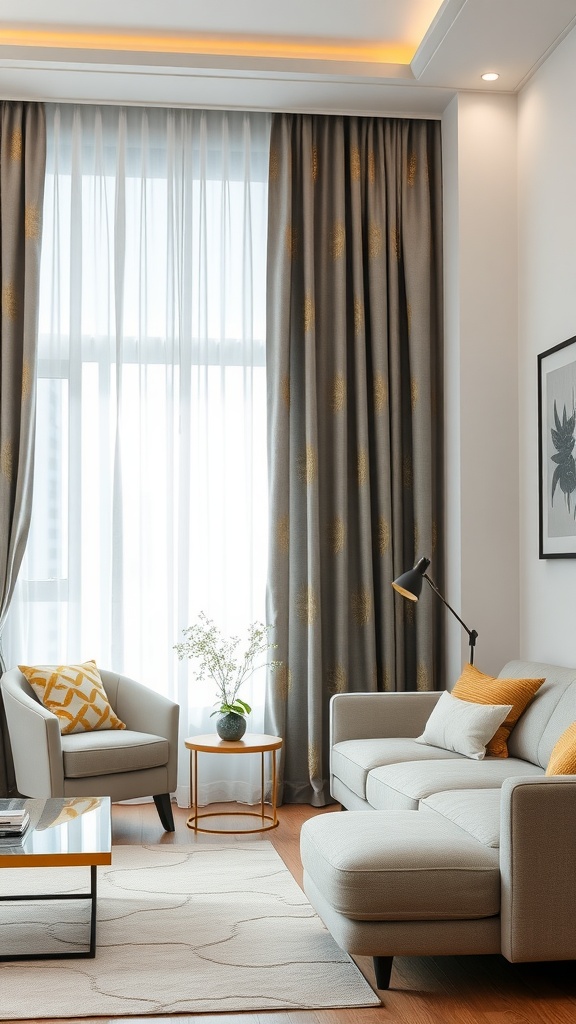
x=354 y=362
x=22 y=168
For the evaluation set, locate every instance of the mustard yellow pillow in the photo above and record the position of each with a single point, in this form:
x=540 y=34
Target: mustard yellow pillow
x=75 y=694
x=563 y=757
x=479 y=688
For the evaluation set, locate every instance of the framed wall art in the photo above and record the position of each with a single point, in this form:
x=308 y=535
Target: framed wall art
x=557 y=441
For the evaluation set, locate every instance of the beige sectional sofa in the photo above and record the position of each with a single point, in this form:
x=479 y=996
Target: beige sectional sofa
x=455 y=855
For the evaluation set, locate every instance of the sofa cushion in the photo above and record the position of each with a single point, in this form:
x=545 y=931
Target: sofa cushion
x=399 y=866
x=353 y=759
x=476 y=811
x=402 y=786
x=527 y=735
x=563 y=757
x=105 y=753
x=463 y=726
x=479 y=688
x=561 y=719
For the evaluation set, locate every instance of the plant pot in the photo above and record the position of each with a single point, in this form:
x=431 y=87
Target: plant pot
x=231 y=726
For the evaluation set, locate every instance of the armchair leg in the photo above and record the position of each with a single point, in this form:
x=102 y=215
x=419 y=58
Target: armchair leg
x=164 y=808
x=382 y=970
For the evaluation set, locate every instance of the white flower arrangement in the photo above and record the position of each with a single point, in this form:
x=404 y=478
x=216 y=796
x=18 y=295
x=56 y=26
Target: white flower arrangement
x=217 y=656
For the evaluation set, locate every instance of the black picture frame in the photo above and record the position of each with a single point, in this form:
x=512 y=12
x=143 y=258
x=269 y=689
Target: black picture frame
x=556 y=455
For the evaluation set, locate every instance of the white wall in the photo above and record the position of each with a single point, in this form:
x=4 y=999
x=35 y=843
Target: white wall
x=479 y=152
x=547 y=316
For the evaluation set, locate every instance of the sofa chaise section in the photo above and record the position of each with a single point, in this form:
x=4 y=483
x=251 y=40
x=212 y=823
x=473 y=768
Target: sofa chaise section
x=439 y=853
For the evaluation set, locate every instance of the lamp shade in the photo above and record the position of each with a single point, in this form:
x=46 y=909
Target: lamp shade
x=409 y=584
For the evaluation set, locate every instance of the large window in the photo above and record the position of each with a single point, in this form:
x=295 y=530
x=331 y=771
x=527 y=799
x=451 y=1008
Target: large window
x=150 y=499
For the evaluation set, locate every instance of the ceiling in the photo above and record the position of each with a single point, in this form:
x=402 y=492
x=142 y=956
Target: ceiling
x=365 y=56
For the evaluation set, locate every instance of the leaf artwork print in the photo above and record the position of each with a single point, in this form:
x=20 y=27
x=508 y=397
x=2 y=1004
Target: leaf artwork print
x=563 y=440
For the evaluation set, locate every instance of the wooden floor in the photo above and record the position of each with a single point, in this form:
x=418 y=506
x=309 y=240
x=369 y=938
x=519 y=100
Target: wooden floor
x=431 y=990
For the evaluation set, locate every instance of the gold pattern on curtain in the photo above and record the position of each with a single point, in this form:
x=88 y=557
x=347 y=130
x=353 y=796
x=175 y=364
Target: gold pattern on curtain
x=22 y=168
x=354 y=358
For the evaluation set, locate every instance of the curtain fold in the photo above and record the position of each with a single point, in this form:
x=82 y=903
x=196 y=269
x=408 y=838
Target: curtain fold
x=354 y=357
x=150 y=494
x=22 y=165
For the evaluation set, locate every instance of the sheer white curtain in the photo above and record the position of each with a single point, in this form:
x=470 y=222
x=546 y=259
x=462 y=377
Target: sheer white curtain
x=150 y=488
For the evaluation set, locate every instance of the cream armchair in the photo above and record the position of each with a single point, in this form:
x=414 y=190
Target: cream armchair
x=120 y=763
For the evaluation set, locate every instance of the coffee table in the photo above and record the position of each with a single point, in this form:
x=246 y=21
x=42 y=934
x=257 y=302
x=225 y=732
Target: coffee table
x=63 y=832
x=252 y=743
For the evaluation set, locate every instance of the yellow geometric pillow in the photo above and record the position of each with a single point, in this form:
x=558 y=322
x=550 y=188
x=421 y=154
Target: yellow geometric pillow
x=563 y=757
x=479 y=688
x=75 y=694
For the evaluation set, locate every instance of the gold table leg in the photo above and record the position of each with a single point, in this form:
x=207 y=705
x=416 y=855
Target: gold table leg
x=269 y=821
x=273 y=794
x=193 y=819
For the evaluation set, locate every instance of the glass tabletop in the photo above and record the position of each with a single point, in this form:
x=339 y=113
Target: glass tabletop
x=61 y=830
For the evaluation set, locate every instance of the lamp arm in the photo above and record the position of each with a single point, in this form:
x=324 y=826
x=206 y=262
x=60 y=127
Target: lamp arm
x=472 y=634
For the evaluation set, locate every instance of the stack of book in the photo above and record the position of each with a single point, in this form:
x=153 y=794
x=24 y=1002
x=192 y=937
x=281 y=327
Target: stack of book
x=13 y=824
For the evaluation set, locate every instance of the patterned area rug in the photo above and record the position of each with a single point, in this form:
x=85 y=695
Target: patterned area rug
x=180 y=930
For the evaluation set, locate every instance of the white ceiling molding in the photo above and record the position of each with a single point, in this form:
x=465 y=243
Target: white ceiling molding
x=511 y=37
x=142 y=52
x=217 y=88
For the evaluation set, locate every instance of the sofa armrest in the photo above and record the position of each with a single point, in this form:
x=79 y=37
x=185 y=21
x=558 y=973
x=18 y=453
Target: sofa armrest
x=360 y=716
x=144 y=710
x=538 y=868
x=35 y=740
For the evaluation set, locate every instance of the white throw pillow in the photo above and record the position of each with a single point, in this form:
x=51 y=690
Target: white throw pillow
x=462 y=726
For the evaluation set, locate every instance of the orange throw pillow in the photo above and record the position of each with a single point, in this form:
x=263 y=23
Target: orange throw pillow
x=563 y=757
x=75 y=694
x=479 y=688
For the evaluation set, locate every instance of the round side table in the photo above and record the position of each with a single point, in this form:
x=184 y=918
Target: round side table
x=252 y=743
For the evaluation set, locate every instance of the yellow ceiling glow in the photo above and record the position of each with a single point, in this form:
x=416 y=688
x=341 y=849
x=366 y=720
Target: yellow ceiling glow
x=222 y=46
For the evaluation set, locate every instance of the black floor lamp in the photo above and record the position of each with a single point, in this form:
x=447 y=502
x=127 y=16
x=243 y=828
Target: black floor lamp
x=409 y=584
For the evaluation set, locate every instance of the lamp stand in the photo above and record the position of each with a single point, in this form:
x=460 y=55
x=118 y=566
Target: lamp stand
x=472 y=634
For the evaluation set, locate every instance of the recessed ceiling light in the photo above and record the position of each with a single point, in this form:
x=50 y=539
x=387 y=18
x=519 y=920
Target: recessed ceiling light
x=491 y=76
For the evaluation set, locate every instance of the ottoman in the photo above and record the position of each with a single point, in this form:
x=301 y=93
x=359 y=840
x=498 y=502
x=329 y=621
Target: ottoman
x=389 y=883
